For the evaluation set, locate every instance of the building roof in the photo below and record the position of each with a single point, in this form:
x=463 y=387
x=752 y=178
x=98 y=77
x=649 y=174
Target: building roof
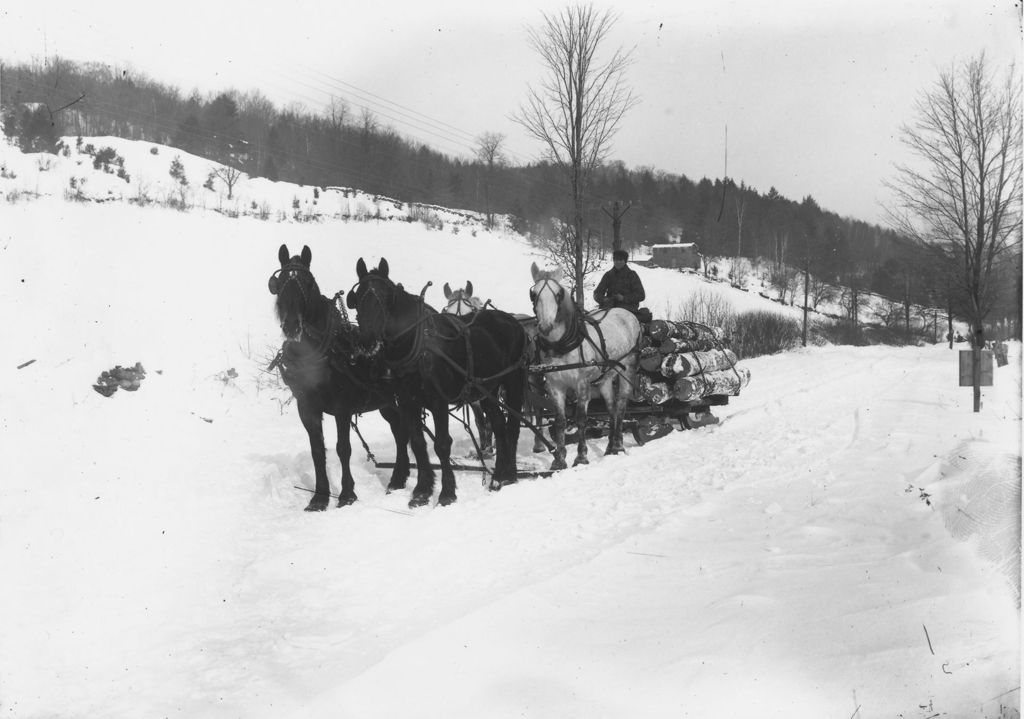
x=679 y=245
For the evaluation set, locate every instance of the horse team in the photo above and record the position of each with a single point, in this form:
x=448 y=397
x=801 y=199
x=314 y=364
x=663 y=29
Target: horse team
x=402 y=357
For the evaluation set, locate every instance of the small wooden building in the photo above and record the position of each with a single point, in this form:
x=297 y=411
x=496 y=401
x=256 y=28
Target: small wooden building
x=680 y=255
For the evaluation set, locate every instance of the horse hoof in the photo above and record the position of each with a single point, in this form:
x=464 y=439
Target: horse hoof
x=558 y=464
x=317 y=505
x=346 y=501
x=418 y=501
x=581 y=460
x=614 y=450
x=394 y=488
x=445 y=500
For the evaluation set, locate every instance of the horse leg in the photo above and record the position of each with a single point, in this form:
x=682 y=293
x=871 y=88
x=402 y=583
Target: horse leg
x=443 y=450
x=424 y=474
x=312 y=420
x=536 y=385
x=501 y=475
x=582 y=403
x=616 y=394
x=558 y=397
x=515 y=394
x=400 y=473
x=343 y=420
x=483 y=429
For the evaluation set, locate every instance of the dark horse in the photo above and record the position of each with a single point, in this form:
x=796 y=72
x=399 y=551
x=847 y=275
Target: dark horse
x=439 y=360
x=329 y=372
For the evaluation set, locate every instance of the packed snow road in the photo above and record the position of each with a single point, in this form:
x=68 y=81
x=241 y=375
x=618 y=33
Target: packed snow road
x=783 y=560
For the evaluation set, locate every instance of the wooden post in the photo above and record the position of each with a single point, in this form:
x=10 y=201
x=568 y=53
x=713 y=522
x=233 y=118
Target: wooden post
x=949 y=321
x=906 y=310
x=977 y=344
x=616 y=216
x=807 y=264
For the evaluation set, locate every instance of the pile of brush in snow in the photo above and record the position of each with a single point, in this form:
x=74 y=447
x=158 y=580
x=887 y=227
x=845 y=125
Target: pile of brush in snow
x=687 y=361
x=126 y=378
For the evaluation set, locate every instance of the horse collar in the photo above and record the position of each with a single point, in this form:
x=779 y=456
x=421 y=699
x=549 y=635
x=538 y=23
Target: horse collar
x=572 y=339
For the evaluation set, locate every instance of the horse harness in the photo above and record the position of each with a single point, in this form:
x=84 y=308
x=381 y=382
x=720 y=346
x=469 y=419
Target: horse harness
x=576 y=333
x=426 y=326
x=326 y=349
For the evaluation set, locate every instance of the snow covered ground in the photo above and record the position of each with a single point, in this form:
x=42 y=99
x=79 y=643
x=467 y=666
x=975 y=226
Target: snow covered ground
x=845 y=543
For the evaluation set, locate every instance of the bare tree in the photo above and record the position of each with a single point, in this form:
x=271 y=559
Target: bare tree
x=229 y=176
x=489 y=152
x=576 y=109
x=966 y=191
x=967 y=194
x=819 y=291
x=337 y=113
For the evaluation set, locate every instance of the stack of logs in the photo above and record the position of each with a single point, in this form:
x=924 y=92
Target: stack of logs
x=687 y=361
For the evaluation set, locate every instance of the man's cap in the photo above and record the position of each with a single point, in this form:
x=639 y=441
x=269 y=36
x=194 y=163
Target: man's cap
x=620 y=255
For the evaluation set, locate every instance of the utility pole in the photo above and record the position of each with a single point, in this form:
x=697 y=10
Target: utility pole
x=616 y=216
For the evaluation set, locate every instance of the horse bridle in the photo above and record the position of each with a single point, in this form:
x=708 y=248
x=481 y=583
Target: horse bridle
x=294 y=270
x=459 y=302
x=535 y=294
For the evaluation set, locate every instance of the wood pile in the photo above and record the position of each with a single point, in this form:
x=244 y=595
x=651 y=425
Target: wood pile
x=687 y=361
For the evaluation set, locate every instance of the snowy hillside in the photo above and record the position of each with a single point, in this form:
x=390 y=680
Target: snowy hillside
x=141 y=175
x=845 y=543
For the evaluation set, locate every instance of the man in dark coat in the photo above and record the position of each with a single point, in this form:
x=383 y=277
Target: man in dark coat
x=620 y=286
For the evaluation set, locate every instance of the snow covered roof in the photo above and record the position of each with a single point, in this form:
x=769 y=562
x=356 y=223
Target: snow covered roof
x=680 y=245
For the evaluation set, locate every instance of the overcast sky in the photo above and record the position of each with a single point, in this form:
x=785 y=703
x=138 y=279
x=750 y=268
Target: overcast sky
x=813 y=92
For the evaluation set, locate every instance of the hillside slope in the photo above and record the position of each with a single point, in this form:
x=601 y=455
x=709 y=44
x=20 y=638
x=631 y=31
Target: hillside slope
x=147 y=180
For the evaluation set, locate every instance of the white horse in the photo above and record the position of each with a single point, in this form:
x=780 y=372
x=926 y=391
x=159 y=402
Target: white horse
x=600 y=351
x=461 y=302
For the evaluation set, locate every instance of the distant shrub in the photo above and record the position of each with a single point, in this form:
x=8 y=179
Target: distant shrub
x=74 y=190
x=123 y=175
x=142 y=194
x=154 y=151
x=295 y=203
x=177 y=171
x=89 y=149
x=707 y=307
x=105 y=157
x=209 y=180
x=764 y=333
x=427 y=217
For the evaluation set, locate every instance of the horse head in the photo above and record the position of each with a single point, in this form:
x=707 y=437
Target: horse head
x=373 y=298
x=551 y=302
x=296 y=290
x=461 y=302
